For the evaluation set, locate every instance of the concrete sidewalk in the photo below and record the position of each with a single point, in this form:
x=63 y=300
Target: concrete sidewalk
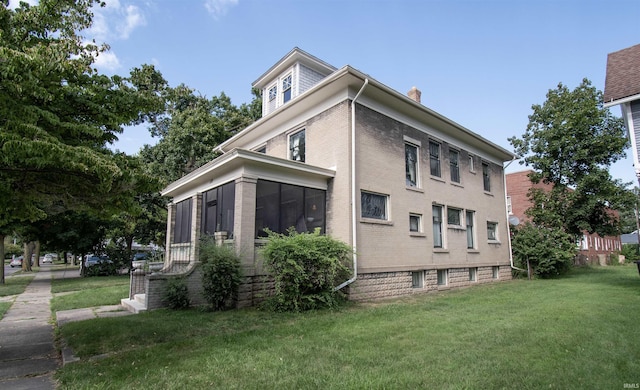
x=28 y=356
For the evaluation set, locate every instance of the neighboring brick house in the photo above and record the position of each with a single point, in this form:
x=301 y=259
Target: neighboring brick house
x=622 y=86
x=592 y=247
x=419 y=197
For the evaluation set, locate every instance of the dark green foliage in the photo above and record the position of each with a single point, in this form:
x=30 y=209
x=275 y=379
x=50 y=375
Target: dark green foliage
x=631 y=252
x=221 y=274
x=176 y=296
x=570 y=142
x=306 y=267
x=102 y=269
x=549 y=251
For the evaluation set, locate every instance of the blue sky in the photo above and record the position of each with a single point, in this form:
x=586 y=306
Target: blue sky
x=480 y=63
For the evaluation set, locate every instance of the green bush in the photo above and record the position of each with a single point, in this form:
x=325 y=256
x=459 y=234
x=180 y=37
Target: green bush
x=549 y=251
x=102 y=269
x=630 y=252
x=306 y=268
x=221 y=274
x=176 y=296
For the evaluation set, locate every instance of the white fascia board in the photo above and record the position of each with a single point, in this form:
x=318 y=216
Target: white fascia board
x=417 y=115
x=621 y=101
x=244 y=163
x=317 y=99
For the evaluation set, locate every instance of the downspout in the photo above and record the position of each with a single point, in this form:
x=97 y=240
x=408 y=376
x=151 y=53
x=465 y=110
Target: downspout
x=504 y=178
x=354 y=235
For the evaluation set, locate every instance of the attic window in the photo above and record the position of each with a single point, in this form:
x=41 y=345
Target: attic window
x=273 y=92
x=286 y=89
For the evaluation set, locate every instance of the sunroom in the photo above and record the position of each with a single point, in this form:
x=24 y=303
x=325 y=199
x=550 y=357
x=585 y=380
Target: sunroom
x=235 y=198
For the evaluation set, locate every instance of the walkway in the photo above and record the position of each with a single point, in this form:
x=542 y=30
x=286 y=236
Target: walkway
x=28 y=357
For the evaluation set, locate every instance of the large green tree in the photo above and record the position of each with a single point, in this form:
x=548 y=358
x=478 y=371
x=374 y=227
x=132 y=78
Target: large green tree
x=191 y=128
x=570 y=142
x=58 y=114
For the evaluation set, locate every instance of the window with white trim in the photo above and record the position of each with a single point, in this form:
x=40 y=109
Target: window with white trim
x=471 y=238
x=438 y=239
x=492 y=231
x=473 y=274
x=454 y=165
x=509 y=206
x=454 y=216
x=286 y=89
x=486 y=178
x=417 y=279
x=373 y=205
x=434 y=158
x=411 y=164
x=443 y=275
x=297 y=146
x=415 y=223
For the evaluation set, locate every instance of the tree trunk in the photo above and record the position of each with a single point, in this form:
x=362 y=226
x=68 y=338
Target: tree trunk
x=2 y=257
x=37 y=253
x=26 y=257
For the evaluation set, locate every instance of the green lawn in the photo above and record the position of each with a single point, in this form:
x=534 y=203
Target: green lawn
x=88 y=292
x=14 y=285
x=576 y=332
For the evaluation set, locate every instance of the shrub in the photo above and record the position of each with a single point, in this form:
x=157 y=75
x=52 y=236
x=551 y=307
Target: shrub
x=101 y=269
x=306 y=268
x=630 y=252
x=176 y=296
x=221 y=274
x=549 y=251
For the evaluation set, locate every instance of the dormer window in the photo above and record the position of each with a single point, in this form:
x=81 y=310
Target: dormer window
x=286 y=89
x=273 y=92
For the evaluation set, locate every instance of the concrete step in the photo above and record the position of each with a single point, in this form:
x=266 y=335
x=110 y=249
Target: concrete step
x=142 y=298
x=133 y=305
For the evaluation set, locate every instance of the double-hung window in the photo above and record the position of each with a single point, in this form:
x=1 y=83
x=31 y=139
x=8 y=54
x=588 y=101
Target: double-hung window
x=434 y=158
x=415 y=223
x=454 y=165
x=297 y=146
x=437 y=227
x=492 y=231
x=470 y=230
x=286 y=89
x=411 y=164
x=486 y=178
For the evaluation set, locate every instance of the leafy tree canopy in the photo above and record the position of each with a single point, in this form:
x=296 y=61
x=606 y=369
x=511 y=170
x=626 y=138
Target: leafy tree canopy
x=191 y=129
x=58 y=114
x=570 y=142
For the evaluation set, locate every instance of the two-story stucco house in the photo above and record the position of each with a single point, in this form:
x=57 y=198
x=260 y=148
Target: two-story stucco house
x=420 y=198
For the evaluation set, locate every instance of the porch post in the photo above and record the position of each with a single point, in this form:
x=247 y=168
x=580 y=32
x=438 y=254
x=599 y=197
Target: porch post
x=171 y=221
x=244 y=226
x=196 y=220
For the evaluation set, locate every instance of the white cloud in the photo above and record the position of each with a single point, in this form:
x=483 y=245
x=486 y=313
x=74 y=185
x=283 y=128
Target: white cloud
x=219 y=8
x=115 y=21
x=107 y=61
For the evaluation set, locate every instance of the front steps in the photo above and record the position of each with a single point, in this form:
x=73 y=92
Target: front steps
x=136 y=305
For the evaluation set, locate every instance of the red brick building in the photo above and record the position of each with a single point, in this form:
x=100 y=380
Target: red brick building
x=593 y=248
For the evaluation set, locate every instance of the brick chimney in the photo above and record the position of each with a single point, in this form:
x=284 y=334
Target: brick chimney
x=414 y=94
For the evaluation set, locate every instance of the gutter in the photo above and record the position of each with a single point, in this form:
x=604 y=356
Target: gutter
x=504 y=178
x=354 y=235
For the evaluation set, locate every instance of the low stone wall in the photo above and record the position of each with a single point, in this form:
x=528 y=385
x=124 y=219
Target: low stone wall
x=381 y=285
x=368 y=286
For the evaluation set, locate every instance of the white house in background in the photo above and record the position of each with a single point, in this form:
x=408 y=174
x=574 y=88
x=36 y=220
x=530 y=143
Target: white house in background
x=622 y=87
x=419 y=197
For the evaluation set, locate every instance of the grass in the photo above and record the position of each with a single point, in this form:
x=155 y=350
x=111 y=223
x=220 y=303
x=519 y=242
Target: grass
x=576 y=332
x=15 y=285
x=88 y=292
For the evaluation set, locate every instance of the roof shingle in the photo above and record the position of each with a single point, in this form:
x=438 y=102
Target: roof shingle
x=623 y=74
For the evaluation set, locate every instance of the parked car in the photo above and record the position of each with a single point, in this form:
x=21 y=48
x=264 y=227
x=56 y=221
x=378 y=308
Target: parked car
x=48 y=258
x=17 y=261
x=91 y=260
